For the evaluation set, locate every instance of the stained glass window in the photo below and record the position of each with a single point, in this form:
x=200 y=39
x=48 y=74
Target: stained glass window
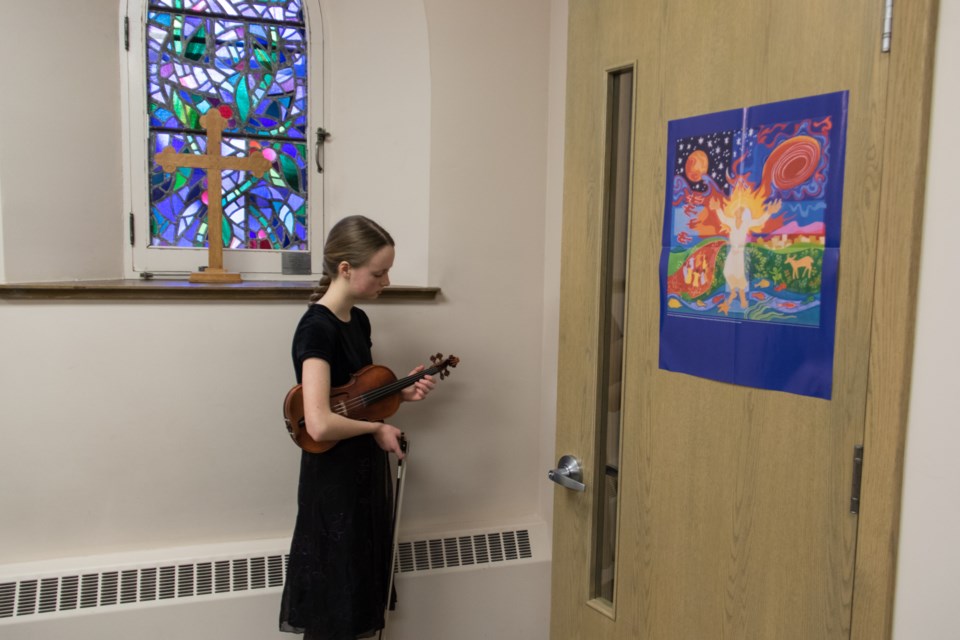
x=248 y=60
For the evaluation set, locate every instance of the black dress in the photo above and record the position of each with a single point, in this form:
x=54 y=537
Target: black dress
x=338 y=573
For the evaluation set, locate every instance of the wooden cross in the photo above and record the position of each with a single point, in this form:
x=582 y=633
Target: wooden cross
x=214 y=163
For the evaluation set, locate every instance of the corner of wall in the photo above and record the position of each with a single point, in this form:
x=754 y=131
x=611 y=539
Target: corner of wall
x=553 y=224
x=3 y=253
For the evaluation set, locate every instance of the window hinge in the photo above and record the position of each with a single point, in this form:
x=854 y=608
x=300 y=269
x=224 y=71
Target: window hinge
x=887 y=26
x=857 y=474
x=132 y=234
x=126 y=33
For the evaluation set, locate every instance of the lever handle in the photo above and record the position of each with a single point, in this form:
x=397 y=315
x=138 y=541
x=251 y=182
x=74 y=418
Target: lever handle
x=568 y=474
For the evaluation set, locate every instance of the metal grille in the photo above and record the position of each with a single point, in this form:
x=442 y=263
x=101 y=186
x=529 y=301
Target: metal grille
x=169 y=582
x=463 y=551
x=146 y=584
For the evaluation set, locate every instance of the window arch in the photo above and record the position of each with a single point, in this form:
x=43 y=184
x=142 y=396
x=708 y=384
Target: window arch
x=256 y=62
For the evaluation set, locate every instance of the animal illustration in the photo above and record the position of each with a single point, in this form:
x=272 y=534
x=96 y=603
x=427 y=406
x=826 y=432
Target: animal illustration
x=799 y=264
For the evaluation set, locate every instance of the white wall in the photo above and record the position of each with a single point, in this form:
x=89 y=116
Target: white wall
x=145 y=425
x=3 y=262
x=59 y=141
x=928 y=577
x=486 y=237
x=149 y=424
x=377 y=58
x=556 y=120
x=450 y=606
x=142 y=425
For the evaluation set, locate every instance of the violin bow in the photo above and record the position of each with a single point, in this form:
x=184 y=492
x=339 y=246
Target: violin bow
x=397 y=506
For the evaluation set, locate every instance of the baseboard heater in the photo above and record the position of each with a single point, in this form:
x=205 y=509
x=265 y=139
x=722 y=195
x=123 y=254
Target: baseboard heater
x=84 y=585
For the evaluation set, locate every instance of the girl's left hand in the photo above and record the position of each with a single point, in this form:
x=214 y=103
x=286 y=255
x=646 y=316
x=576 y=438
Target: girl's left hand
x=420 y=388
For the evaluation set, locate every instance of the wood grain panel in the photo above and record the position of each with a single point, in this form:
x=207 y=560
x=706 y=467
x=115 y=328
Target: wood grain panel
x=734 y=501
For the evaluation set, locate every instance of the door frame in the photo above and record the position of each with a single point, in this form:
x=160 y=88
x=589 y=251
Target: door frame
x=909 y=94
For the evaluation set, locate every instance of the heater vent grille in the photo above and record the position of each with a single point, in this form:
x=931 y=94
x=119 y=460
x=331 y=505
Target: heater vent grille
x=463 y=551
x=166 y=582
x=141 y=585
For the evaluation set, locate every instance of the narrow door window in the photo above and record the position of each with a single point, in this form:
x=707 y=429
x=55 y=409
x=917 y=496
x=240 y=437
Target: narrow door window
x=616 y=218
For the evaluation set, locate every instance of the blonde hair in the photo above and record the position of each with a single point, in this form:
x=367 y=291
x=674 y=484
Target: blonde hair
x=353 y=240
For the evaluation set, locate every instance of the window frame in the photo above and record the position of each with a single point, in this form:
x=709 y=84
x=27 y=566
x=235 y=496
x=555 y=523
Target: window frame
x=255 y=264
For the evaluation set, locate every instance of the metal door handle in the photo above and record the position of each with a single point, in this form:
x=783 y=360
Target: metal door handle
x=568 y=474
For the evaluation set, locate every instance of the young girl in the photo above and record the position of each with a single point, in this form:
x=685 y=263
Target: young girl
x=340 y=556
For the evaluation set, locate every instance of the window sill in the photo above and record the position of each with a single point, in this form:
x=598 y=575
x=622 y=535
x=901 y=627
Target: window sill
x=282 y=290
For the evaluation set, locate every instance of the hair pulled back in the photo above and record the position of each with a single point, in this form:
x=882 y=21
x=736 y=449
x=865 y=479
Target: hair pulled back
x=353 y=240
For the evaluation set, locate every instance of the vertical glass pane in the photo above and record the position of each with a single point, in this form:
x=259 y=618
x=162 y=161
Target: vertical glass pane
x=247 y=60
x=616 y=216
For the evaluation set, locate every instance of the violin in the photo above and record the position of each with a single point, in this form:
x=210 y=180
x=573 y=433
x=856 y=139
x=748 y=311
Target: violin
x=372 y=394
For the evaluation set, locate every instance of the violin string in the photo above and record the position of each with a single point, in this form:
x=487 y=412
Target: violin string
x=344 y=408
x=399 y=385
x=384 y=391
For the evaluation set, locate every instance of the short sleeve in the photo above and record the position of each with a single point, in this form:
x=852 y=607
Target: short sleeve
x=345 y=346
x=316 y=337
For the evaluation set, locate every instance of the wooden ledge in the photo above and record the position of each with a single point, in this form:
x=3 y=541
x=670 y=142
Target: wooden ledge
x=282 y=290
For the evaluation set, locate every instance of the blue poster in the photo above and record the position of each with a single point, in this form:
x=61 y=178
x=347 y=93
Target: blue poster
x=751 y=243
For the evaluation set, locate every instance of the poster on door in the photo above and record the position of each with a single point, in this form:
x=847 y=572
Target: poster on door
x=751 y=243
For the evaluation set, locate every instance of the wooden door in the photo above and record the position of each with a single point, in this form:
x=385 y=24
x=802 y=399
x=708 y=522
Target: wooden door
x=732 y=510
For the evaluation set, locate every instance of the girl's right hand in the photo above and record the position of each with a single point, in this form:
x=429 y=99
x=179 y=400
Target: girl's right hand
x=388 y=437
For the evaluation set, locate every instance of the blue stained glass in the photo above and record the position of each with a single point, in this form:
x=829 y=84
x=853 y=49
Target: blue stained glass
x=278 y=10
x=248 y=60
x=232 y=69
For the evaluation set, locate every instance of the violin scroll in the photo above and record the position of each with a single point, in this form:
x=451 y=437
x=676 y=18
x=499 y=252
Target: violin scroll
x=442 y=365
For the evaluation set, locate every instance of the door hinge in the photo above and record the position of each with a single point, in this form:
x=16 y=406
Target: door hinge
x=132 y=233
x=857 y=474
x=126 y=33
x=887 y=26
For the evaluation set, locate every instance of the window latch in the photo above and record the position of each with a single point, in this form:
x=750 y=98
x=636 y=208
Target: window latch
x=322 y=135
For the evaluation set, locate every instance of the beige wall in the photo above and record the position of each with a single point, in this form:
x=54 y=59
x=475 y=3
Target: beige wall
x=928 y=578
x=145 y=424
x=60 y=144
x=377 y=92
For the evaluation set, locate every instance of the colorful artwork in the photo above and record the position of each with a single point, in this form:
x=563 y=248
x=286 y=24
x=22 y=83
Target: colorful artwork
x=751 y=244
x=248 y=60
